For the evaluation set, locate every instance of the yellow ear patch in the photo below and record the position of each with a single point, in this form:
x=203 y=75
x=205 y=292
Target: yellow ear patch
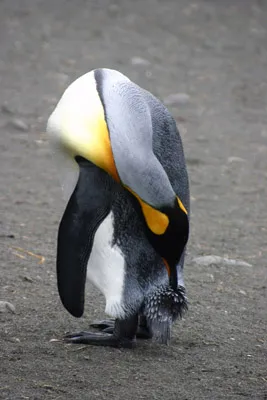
x=155 y=219
x=81 y=127
x=88 y=137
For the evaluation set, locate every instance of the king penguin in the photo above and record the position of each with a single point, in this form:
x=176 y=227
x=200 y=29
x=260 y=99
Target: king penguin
x=126 y=223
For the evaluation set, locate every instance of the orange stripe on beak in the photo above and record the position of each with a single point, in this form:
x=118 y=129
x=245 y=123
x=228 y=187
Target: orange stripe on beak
x=167 y=267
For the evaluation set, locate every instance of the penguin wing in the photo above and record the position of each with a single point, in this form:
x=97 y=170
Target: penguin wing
x=88 y=206
x=129 y=122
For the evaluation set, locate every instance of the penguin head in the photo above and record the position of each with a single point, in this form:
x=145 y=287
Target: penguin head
x=171 y=243
x=176 y=234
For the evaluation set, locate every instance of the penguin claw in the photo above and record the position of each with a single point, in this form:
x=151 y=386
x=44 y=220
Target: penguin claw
x=107 y=326
x=103 y=324
x=122 y=333
x=109 y=330
x=81 y=337
x=73 y=335
x=99 y=339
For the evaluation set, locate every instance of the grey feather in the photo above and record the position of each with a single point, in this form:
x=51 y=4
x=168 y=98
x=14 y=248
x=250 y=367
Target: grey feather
x=129 y=120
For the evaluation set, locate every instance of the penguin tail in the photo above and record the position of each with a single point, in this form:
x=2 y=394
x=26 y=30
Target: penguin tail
x=161 y=308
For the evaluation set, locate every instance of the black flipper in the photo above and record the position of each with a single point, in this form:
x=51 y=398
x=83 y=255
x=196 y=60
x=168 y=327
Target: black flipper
x=124 y=335
x=86 y=209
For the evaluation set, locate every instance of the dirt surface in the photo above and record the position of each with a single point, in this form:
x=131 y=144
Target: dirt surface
x=214 y=52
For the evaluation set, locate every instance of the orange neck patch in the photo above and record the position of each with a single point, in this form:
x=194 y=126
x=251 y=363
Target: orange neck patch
x=103 y=156
x=181 y=205
x=81 y=126
x=156 y=220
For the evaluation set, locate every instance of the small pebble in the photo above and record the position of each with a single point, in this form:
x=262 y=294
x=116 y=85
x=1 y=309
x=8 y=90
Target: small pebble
x=211 y=277
x=235 y=159
x=7 y=235
x=27 y=279
x=176 y=99
x=216 y=260
x=139 y=61
x=6 y=109
x=19 y=124
x=5 y=306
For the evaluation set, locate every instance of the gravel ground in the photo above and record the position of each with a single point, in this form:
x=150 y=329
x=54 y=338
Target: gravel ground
x=207 y=60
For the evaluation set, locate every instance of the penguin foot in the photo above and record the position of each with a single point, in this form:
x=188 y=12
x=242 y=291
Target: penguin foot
x=107 y=326
x=99 y=339
x=104 y=324
x=123 y=334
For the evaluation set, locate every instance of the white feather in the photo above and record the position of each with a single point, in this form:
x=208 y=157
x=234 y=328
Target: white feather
x=67 y=128
x=106 y=268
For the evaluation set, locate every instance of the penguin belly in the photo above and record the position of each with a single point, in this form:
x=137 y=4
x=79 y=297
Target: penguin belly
x=106 y=268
